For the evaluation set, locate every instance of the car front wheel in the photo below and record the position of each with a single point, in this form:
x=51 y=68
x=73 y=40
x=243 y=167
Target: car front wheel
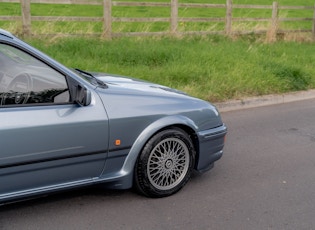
x=165 y=163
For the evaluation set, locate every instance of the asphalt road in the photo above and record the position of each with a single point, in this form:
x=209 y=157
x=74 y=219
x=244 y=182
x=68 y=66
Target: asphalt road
x=265 y=180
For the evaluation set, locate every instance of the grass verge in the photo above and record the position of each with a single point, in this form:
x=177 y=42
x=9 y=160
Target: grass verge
x=213 y=68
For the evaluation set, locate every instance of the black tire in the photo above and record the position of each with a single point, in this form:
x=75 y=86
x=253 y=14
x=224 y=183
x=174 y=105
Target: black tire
x=165 y=163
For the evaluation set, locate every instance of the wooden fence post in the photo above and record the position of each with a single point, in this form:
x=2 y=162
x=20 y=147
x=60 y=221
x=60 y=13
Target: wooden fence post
x=228 y=18
x=26 y=17
x=174 y=16
x=272 y=33
x=107 y=11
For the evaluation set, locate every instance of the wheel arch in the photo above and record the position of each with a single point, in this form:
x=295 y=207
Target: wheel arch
x=180 y=121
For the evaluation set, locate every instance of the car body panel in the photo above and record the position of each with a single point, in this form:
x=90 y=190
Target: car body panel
x=36 y=153
x=67 y=144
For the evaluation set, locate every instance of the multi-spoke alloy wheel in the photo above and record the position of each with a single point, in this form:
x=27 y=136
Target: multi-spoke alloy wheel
x=165 y=163
x=168 y=163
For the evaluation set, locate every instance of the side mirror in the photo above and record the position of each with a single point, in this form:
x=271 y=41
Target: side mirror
x=82 y=96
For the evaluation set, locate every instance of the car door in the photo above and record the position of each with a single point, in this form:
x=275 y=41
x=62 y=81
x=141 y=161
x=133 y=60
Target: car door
x=46 y=140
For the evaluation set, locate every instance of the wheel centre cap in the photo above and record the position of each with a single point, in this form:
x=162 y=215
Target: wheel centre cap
x=168 y=164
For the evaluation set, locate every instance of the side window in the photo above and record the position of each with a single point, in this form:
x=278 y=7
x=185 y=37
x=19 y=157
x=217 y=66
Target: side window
x=26 y=80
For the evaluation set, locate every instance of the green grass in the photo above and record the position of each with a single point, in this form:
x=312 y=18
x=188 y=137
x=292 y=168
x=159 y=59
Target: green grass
x=213 y=68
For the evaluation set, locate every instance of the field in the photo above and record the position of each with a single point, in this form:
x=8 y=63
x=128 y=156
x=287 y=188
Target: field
x=214 y=68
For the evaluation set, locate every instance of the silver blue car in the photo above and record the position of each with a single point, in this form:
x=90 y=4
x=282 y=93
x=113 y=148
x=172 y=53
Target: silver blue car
x=65 y=128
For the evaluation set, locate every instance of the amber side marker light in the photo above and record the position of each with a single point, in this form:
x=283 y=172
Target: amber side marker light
x=117 y=142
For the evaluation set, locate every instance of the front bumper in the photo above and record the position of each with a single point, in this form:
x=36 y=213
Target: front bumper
x=211 y=143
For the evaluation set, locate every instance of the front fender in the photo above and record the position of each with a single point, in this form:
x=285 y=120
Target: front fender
x=124 y=177
x=148 y=132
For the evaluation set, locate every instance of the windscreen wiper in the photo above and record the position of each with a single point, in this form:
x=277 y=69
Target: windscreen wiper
x=93 y=78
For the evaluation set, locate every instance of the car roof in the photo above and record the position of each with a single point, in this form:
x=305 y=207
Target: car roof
x=6 y=33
